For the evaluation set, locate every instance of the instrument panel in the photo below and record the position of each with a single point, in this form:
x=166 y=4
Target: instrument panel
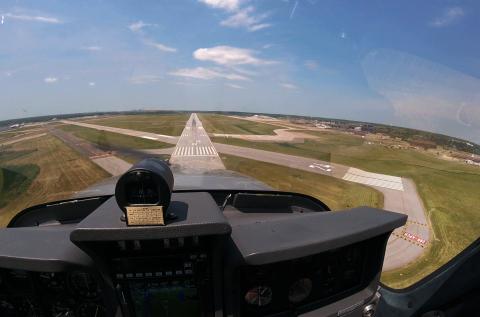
x=37 y=294
x=305 y=283
x=169 y=277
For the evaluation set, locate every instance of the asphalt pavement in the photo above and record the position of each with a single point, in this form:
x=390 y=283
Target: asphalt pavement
x=195 y=152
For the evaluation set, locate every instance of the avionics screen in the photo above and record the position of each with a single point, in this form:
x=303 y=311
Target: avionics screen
x=177 y=298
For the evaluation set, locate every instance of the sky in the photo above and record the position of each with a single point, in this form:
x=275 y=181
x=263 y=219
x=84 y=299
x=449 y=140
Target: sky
x=409 y=63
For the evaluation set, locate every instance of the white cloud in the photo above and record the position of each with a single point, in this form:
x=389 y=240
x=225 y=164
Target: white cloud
x=449 y=16
x=228 y=5
x=245 y=18
x=258 y=27
x=241 y=17
x=91 y=83
x=288 y=86
x=161 y=47
x=311 y=64
x=229 y=56
x=235 y=86
x=50 y=80
x=144 y=79
x=207 y=74
x=293 y=9
x=139 y=25
x=92 y=48
x=32 y=18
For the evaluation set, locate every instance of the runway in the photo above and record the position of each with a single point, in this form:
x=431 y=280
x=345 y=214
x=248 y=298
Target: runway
x=195 y=152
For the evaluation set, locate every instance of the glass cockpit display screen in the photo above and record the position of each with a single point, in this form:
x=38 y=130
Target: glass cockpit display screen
x=177 y=298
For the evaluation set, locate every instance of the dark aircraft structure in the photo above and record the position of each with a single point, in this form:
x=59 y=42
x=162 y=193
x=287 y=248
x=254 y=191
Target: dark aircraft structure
x=152 y=244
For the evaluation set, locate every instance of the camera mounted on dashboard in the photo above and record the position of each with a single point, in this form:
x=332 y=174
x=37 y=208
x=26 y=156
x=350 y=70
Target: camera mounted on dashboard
x=144 y=192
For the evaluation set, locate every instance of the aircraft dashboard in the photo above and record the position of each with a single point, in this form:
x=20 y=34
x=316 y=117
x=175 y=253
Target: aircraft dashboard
x=219 y=253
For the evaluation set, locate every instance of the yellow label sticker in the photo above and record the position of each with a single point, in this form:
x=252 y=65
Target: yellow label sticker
x=145 y=216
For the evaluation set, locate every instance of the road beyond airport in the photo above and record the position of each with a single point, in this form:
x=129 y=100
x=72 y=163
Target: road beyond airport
x=195 y=153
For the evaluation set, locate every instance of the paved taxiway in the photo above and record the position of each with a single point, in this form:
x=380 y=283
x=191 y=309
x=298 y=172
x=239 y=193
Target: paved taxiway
x=20 y=139
x=109 y=162
x=140 y=134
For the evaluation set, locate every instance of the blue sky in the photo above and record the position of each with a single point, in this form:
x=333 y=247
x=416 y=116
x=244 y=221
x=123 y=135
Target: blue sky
x=408 y=63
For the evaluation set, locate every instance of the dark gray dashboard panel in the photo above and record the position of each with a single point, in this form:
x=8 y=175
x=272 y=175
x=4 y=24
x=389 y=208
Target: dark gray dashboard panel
x=43 y=249
x=215 y=180
x=55 y=212
x=197 y=213
x=264 y=241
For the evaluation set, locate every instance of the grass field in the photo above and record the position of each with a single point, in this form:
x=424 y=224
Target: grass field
x=132 y=159
x=307 y=149
x=215 y=123
x=336 y=193
x=15 y=180
x=107 y=140
x=171 y=124
x=6 y=135
x=320 y=149
x=449 y=190
x=61 y=172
